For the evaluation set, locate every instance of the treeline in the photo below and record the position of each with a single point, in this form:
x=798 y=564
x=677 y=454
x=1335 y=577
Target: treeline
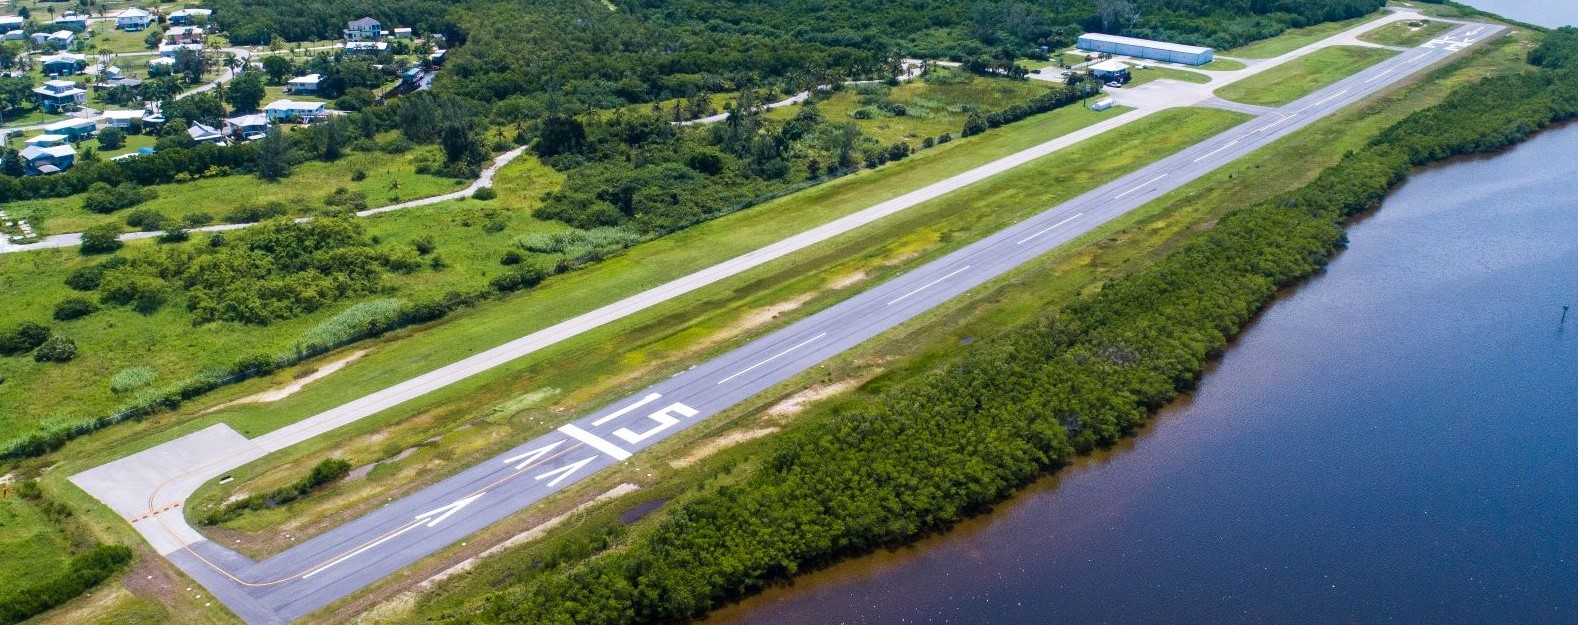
x=934 y=449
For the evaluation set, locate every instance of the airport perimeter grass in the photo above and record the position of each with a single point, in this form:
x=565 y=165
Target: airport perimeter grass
x=1301 y=77
x=935 y=104
x=1405 y=34
x=1150 y=73
x=1026 y=294
x=1223 y=65
x=35 y=547
x=587 y=370
x=1297 y=38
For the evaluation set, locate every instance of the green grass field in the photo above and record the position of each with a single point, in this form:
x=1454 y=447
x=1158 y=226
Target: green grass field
x=34 y=547
x=1222 y=65
x=934 y=105
x=1296 y=38
x=1300 y=77
x=1150 y=73
x=1406 y=34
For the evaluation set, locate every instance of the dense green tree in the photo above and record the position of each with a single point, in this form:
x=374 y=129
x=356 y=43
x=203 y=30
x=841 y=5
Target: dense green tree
x=278 y=68
x=273 y=156
x=101 y=239
x=111 y=138
x=245 y=92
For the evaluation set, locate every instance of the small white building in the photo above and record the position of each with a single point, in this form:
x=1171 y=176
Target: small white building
x=402 y=33
x=14 y=35
x=247 y=127
x=303 y=84
x=133 y=19
x=185 y=34
x=160 y=65
x=47 y=160
x=122 y=119
x=74 y=130
x=203 y=133
x=188 y=17
x=286 y=111
x=74 y=21
x=365 y=47
x=169 y=50
x=45 y=140
x=62 y=38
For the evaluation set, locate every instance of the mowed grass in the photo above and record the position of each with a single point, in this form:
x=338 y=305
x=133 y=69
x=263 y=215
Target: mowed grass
x=390 y=178
x=577 y=375
x=1406 y=34
x=1296 y=38
x=1150 y=73
x=1303 y=76
x=1220 y=64
x=935 y=104
x=33 y=547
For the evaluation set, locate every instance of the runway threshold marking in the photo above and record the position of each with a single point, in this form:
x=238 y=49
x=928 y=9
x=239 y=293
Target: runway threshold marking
x=1142 y=186
x=1049 y=228
x=628 y=409
x=776 y=356
x=928 y=285
x=594 y=441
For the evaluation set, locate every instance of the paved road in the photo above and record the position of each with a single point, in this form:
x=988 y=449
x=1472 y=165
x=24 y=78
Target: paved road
x=332 y=565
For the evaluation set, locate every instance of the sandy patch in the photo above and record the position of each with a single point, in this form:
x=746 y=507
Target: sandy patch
x=276 y=394
x=797 y=402
x=847 y=280
x=718 y=444
x=521 y=538
x=761 y=316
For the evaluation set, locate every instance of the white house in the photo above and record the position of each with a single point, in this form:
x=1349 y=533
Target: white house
x=281 y=111
x=62 y=38
x=203 y=133
x=364 y=29
x=402 y=33
x=247 y=127
x=133 y=19
x=171 y=49
x=121 y=119
x=303 y=84
x=160 y=65
x=14 y=35
x=365 y=47
x=45 y=140
x=58 y=95
x=187 y=17
x=185 y=34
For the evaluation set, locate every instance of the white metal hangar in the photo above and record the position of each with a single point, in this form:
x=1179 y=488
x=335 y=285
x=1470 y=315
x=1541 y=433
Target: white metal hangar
x=1146 y=49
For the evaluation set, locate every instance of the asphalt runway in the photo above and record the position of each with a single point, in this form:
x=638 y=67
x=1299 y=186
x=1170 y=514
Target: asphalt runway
x=341 y=561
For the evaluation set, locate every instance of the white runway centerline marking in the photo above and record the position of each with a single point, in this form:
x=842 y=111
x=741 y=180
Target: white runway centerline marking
x=773 y=357
x=1046 y=230
x=1216 y=151
x=594 y=441
x=627 y=409
x=928 y=285
x=1142 y=186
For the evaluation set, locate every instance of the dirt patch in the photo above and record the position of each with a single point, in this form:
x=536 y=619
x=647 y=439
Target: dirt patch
x=847 y=280
x=761 y=316
x=796 y=403
x=523 y=537
x=149 y=580
x=276 y=394
x=719 y=444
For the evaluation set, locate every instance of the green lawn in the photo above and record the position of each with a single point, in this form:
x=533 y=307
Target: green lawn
x=1296 y=38
x=31 y=117
x=389 y=178
x=1150 y=73
x=1406 y=34
x=1300 y=77
x=934 y=105
x=1222 y=65
x=107 y=39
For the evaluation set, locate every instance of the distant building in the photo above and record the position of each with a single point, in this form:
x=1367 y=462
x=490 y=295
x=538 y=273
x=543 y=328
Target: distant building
x=402 y=33
x=1146 y=49
x=45 y=140
x=122 y=119
x=203 y=133
x=303 y=84
x=169 y=50
x=73 y=130
x=364 y=29
x=73 y=21
x=1109 y=71
x=365 y=47
x=188 y=17
x=62 y=38
x=14 y=35
x=63 y=64
x=247 y=127
x=47 y=160
x=185 y=34
x=288 y=111
x=59 y=95
x=160 y=65
x=133 y=19
x=9 y=23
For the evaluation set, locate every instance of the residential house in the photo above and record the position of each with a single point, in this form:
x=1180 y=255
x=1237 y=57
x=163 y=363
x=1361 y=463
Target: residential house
x=161 y=65
x=14 y=35
x=365 y=29
x=62 y=38
x=9 y=23
x=59 y=95
x=47 y=160
x=169 y=50
x=74 y=21
x=365 y=47
x=247 y=127
x=73 y=130
x=402 y=33
x=188 y=17
x=283 y=111
x=185 y=34
x=203 y=133
x=133 y=19
x=45 y=140
x=303 y=84
x=63 y=64
x=38 y=39
x=122 y=119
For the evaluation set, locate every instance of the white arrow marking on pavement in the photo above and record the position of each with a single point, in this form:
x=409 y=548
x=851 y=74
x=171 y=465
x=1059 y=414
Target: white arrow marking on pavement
x=447 y=510
x=532 y=456
x=565 y=471
x=627 y=409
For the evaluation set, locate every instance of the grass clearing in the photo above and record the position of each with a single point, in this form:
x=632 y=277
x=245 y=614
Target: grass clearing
x=1220 y=64
x=1151 y=72
x=596 y=367
x=935 y=104
x=1297 y=38
x=1300 y=77
x=1406 y=34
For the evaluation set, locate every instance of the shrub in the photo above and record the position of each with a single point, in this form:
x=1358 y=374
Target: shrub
x=358 y=175
x=88 y=278
x=484 y=193
x=101 y=239
x=103 y=199
x=23 y=338
x=424 y=244
x=132 y=378
x=523 y=278
x=251 y=213
x=577 y=244
x=56 y=349
x=197 y=220
x=325 y=473
x=175 y=236
x=74 y=307
x=363 y=319
x=511 y=257
x=147 y=219
x=112 y=138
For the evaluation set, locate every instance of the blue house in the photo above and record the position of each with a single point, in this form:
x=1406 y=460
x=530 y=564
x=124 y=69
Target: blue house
x=47 y=160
